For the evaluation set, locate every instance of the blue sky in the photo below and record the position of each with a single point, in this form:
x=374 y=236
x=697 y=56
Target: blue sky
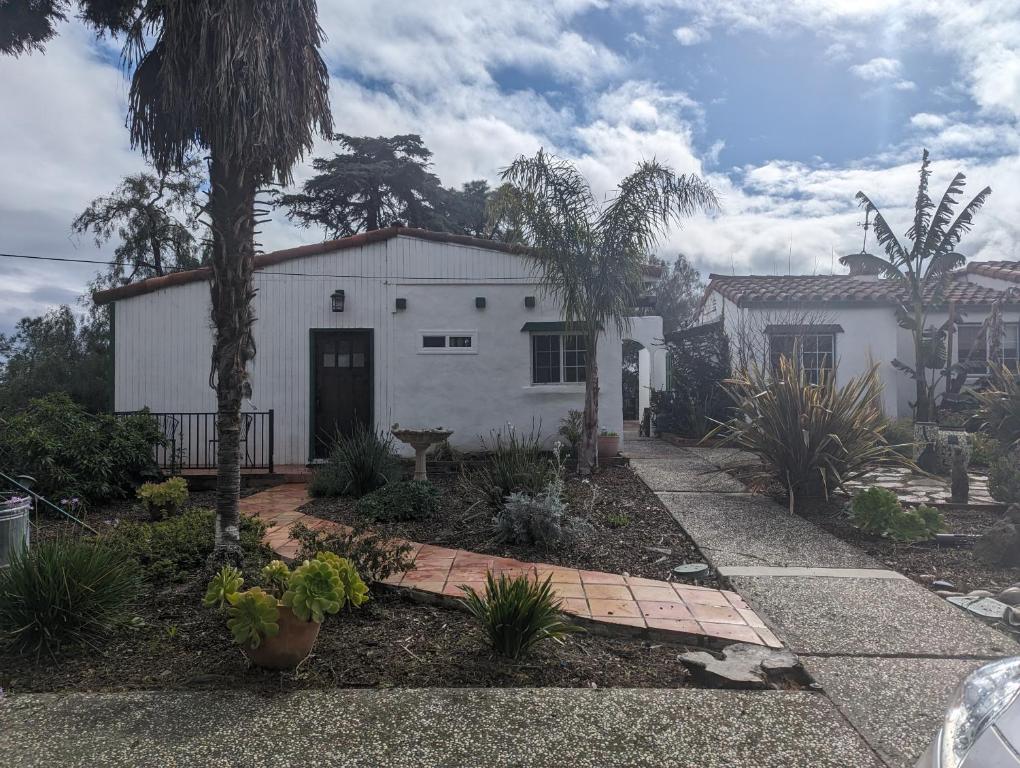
x=787 y=109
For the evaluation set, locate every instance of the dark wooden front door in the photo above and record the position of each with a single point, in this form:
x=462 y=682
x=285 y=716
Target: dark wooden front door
x=342 y=386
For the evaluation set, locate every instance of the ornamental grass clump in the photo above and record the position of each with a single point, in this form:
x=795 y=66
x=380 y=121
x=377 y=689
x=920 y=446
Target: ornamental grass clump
x=999 y=409
x=359 y=463
x=65 y=593
x=515 y=464
x=810 y=438
x=517 y=614
x=404 y=500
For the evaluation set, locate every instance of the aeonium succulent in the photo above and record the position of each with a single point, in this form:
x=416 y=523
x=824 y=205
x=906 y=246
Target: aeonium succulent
x=254 y=615
x=276 y=576
x=355 y=589
x=225 y=583
x=315 y=589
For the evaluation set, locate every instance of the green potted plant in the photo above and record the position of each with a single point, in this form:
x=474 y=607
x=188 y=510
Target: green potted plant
x=163 y=500
x=276 y=627
x=609 y=443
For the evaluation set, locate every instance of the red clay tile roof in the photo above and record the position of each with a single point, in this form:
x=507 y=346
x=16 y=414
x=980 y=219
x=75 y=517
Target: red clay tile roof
x=1003 y=270
x=748 y=290
x=329 y=246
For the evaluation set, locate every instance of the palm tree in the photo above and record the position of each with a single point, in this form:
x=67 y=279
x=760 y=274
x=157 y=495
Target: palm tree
x=243 y=81
x=589 y=254
x=922 y=270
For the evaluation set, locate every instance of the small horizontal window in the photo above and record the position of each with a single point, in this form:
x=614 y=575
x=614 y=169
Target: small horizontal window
x=448 y=342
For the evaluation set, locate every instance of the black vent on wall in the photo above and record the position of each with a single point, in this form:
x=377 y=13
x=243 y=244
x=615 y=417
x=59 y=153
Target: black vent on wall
x=401 y=303
x=479 y=302
x=529 y=302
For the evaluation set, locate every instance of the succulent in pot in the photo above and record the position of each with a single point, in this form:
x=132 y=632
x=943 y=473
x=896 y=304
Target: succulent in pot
x=276 y=627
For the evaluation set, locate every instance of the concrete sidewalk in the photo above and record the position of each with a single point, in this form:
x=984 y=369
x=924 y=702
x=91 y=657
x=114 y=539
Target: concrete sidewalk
x=886 y=651
x=454 y=728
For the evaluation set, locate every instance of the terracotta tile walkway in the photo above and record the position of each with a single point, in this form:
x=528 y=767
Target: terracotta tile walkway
x=626 y=604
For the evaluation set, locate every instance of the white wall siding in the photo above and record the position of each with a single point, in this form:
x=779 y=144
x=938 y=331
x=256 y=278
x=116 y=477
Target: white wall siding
x=163 y=343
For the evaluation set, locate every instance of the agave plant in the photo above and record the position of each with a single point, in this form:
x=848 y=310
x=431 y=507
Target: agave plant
x=811 y=438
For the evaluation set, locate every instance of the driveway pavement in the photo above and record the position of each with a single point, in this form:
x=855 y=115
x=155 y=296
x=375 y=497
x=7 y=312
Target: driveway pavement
x=886 y=651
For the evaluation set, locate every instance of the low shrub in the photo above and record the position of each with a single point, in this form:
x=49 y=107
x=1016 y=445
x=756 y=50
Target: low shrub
x=72 y=453
x=1004 y=478
x=358 y=463
x=879 y=512
x=899 y=434
x=404 y=500
x=170 y=549
x=373 y=556
x=517 y=614
x=515 y=464
x=162 y=500
x=64 y=593
x=809 y=438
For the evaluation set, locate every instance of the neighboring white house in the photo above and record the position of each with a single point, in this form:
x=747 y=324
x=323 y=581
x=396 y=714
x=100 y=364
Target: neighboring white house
x=850 y=320
x=392 y=326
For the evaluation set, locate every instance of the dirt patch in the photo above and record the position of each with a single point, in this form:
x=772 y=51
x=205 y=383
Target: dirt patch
x=389 y=642
x=921 y=561
x=632 y=532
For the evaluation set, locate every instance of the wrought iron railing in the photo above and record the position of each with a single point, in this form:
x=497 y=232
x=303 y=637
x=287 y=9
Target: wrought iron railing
x=191 y=440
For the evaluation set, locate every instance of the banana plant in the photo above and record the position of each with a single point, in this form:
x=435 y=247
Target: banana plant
x=923 y=270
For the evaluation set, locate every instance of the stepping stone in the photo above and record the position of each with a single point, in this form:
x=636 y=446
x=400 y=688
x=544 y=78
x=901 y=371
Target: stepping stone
x=744 y=666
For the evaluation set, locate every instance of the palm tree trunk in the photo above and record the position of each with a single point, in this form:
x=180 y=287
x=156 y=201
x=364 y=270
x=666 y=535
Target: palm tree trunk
x=232 y=214
x=588 y=459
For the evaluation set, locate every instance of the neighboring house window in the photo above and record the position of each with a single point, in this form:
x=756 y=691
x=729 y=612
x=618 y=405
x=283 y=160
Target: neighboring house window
x=557 y=358
x=973 y=348
x=816 y=351
x=1011 y=347
x=448 y=342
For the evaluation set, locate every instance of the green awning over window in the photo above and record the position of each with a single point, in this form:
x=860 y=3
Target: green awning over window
x=558 y=326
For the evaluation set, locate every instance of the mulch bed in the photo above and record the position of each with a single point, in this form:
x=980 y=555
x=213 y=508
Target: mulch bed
x=392 y=641
x=922 y=562
x=389 y=642
x=640 y=547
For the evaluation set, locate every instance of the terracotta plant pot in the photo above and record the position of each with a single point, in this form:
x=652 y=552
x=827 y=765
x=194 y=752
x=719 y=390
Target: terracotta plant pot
x=289 y=647
x=609 y=445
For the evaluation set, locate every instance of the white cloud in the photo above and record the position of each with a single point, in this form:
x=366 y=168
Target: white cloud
x=690 y=35
x=877 y=69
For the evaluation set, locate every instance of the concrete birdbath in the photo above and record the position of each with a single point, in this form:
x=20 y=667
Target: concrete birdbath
x=421 y=440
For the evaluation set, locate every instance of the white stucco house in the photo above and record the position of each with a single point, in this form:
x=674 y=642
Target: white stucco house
x=850 y=320
x=392 y=326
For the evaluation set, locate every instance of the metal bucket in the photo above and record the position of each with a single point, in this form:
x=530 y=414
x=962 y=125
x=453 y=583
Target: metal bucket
x=14 y=527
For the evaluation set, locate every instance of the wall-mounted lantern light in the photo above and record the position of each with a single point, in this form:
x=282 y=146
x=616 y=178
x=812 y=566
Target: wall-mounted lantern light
x=479 y=302
x=401 y=304
x=338 y=301
x=529 y=302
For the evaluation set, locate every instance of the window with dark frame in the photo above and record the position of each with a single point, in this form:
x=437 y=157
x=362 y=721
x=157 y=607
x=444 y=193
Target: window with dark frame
x=557 y=358
x=973 y=348
x=433 y=342
x=816 y=351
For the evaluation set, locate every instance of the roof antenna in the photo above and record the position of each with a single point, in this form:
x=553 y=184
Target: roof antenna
x=866 y=226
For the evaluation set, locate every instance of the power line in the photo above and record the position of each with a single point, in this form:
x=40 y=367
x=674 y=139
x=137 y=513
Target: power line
x=261 y=273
